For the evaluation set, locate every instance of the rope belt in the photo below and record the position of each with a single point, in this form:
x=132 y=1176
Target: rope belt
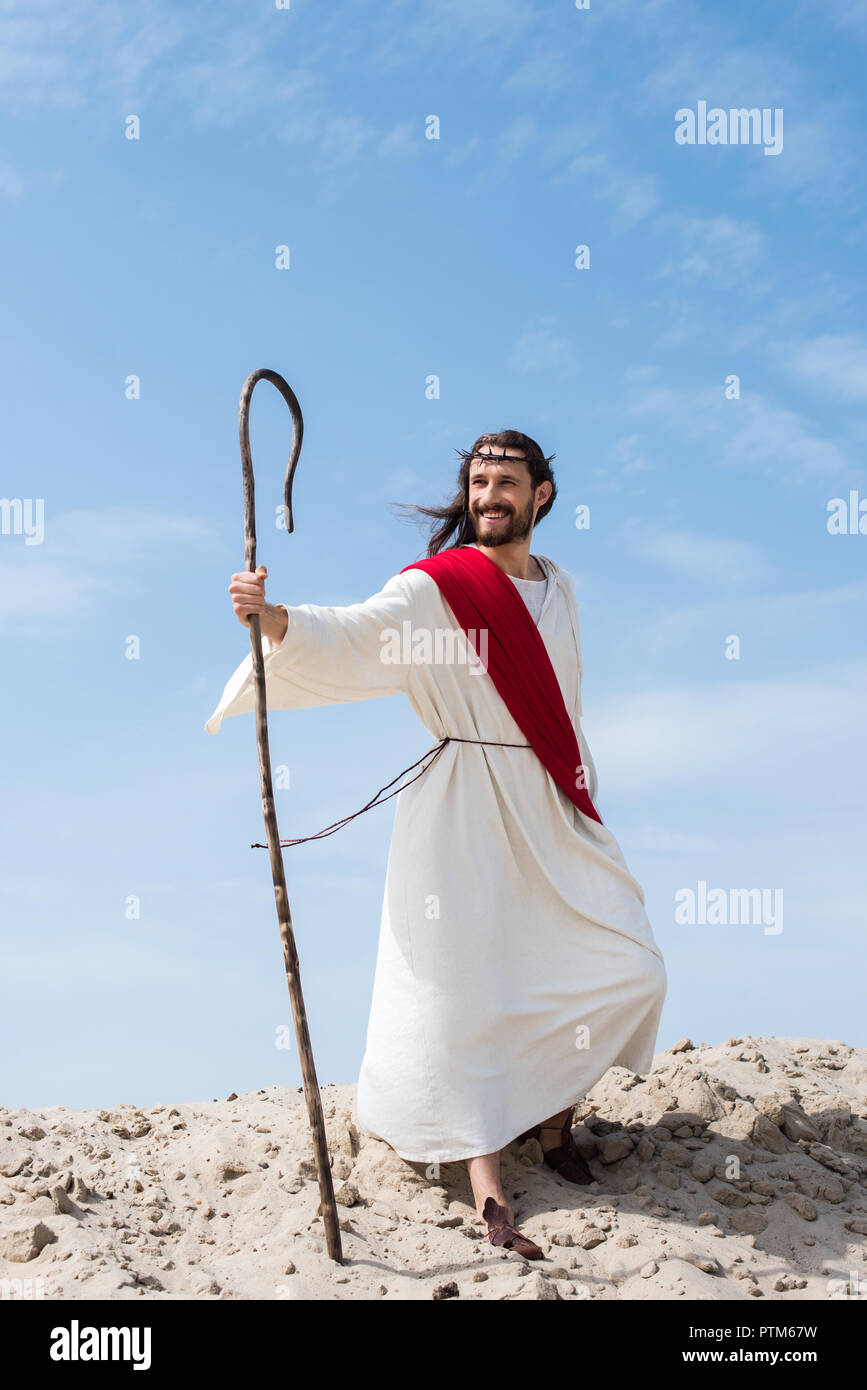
x=432 y=753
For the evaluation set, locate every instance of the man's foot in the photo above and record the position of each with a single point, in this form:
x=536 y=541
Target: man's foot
x=502 y=1232
x=500 y=1202
x=561 y=1152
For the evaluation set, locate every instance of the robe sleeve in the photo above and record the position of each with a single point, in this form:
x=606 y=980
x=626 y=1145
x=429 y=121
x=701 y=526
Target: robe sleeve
x=328 y=655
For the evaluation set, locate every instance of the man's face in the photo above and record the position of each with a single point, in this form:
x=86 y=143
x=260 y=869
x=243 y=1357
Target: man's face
x=501 y=502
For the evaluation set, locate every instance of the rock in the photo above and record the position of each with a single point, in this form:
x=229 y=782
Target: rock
x=34 y=1132
x=442 y=1291
x=701 y=1170
x=13 y=1166
x=769 y=1136
x=63 y=1203
x=675 y=1153
x=824 y=1113
x=772 y=1106
x=854 y=1075
x=826 y=1188
x=132 y=1126
x=589 y=1239
x=685 y=1045
x=700 y=1101
x=749 y=1220
x=536 y=1288
x=854 y=1138
x=796 y=1125
x=739 y=1123
x=530 y=1152
x=802 y=1205
x=829 y=1158
x=80 y=1190
x=347 y=1195
x=229 y=1166
x=726 y=1195
x=614 y=1146
x=671 y=1120
x=205 y=1284
x=23 y=1242
x=648 y=1270
x=562 y=1238
x=836 y=1135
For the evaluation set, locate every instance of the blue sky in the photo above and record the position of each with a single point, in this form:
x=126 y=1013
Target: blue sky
x=410 y=258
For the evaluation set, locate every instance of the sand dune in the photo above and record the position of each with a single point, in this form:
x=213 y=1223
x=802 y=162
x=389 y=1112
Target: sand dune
x=732 y=1171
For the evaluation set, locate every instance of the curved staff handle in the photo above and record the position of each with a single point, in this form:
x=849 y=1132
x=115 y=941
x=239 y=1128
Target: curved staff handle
x=263 y=374
x=284 y=916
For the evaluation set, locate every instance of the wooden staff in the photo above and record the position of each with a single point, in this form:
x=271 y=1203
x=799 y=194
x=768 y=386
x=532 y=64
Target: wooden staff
x=284 y=917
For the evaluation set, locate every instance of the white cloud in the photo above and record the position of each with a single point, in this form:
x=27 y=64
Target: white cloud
x=718 y=248
x=11 y=182
x=781 y=738
x=518 y=137
x=633 y=196
x=749 y=433
x=766 y=615
x=821 y=143
x=540 y=347
x=87 y=557
x=628 y=453
x=721 y=561
x=837 y=361
x=777 y=440
x=851 y=15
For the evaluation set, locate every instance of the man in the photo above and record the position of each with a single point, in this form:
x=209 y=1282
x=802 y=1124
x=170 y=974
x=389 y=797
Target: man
x=516 y=963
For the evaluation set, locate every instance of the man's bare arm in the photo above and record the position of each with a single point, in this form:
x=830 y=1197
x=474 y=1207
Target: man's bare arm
x=248 y=596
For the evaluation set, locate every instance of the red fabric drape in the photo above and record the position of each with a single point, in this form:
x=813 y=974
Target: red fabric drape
x=483 y=597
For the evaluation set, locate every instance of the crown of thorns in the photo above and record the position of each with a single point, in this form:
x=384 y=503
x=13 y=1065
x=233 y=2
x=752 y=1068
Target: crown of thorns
x=469 y=454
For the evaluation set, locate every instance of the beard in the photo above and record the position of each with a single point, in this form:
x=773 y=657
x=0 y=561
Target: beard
x=516 y=527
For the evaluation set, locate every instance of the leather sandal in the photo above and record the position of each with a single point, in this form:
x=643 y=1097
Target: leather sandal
x=501 y=1233
x=566 y=1158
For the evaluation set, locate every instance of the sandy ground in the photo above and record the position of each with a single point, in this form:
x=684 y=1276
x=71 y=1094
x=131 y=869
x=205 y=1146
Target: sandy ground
x=729 y=1172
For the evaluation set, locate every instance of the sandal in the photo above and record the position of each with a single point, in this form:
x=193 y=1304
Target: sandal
x=501 y=1233
x=566 y=1158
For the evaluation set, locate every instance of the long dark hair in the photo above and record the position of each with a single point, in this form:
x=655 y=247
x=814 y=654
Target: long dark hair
x=454 y=518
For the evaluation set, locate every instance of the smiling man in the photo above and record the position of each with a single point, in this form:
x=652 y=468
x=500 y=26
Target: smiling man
x=516 y=962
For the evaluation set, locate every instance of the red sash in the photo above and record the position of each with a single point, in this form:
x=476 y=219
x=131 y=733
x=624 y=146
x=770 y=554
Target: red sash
x=482 y=596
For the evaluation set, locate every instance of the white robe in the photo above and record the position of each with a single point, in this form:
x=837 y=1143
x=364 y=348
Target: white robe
x=516 y=962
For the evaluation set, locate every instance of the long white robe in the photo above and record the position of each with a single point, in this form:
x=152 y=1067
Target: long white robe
x=516 y=962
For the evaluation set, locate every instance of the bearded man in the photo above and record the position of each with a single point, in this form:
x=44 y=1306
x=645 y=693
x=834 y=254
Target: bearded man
x=516 y=963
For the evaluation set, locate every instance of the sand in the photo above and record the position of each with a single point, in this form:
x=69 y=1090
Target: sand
x=729 y=1172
